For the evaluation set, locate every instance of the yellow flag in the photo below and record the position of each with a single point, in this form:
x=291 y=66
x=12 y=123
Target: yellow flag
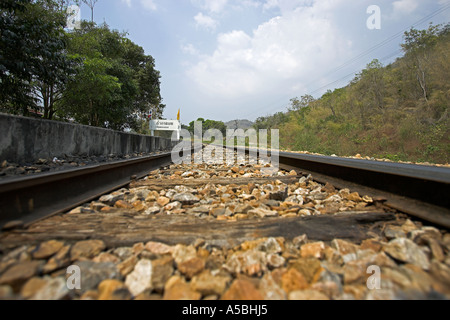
x=178 y=116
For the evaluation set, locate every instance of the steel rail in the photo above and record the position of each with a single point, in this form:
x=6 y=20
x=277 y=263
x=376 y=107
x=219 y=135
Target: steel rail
x=420 y=191
x=27 y=200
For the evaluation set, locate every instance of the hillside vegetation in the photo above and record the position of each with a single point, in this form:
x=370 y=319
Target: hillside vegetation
x=399 y=111
x=239 y=124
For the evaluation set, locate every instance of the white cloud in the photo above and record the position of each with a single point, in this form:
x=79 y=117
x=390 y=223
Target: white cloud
x=204 y=21
x=189 y=49
x=287 y=50
x=148 y=4
x=213 y=6
x=402 y=7
x=271 y=4
x=250 y=3
x=286 y=5
x=240 y=5
x=127 y=2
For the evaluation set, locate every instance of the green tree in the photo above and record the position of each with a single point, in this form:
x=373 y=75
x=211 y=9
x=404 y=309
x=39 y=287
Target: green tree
x=328 y=100
x=218 y=125
x=111 y=63
x=206 y=125
x=148 y=80
x=49 y=89
x=304 y=102
x=417 y=45
x=89 y=92
x=32 y=51
x=368 y=92
x=271 y=122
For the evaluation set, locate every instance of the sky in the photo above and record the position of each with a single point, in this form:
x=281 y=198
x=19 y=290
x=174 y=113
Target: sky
x=228 y=59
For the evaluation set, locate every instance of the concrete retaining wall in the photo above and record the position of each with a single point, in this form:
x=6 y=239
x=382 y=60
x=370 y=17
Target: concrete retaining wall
x=24 y=140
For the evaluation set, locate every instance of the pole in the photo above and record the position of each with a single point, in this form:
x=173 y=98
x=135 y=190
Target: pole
x=152 y=132
x=150 y=118
x=179 y=125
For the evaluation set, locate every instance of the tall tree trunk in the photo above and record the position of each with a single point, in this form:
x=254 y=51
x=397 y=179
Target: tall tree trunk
x=421 y=78
x=44 y=93
x=332 y=110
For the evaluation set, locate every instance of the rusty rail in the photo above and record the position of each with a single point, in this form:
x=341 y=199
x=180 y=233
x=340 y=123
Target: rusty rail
x=421 y=191
x=26 y=200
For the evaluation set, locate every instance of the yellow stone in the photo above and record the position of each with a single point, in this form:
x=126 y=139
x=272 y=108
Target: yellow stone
x=162 y=201
x=108 y=288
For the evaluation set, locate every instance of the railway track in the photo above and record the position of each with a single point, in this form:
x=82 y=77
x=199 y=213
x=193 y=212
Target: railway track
x=308 y=231
x=26 y=200
x=421 y=191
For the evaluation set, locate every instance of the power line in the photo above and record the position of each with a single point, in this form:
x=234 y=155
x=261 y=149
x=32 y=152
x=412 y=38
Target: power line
x=386 y=41
x=396 y=53
x=366 y=52
x=393 y=54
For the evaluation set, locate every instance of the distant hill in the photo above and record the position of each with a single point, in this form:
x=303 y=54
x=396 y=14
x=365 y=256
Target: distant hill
x=241 y=124
x=399 y=112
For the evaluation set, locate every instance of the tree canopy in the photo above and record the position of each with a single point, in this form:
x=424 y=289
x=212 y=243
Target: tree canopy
x=116 y=84
x=31 y=51
x=92 y=75
x=207 y=125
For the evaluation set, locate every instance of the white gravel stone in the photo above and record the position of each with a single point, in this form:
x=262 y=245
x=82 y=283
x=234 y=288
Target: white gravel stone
x=141 y=278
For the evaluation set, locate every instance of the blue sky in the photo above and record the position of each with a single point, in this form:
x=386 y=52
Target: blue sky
x=229 y=59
